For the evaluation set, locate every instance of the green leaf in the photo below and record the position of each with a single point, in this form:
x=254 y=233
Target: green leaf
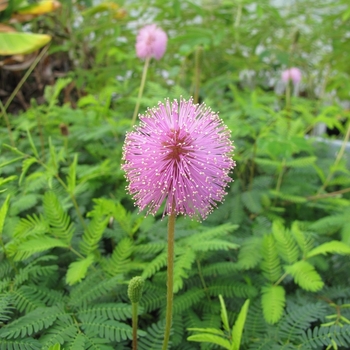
x=335 y=247
x=3 y=213
x=305 y=276
x=31 y=323
x=223 y=314
x=286 y=245
x=273 y=301
x=25 y=166
x=26 y=249
x=270 y=265
x=14 y=43
x=301 y=162
x=210 y=338
x=32 y=145
x=77 y=270
x=238 y=327
x=208 y=330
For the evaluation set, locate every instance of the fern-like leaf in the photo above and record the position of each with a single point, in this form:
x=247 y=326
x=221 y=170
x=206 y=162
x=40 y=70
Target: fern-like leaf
x=5 y=306
x=155 y=265
x=188 y=299
x=299 y=318
x=31 y=323
x=59 y=221
x=270 y=265
x=326 y=336
x=285 y=242
x=335 y=247
x=77 y=270
x=111 y=311
x=153 y=340
x=92 y=289
x=305 y=276
x=108 y=329
x=119 y=262
x=63 y=330
x=183 y=263
x=26 y=300
x=92 y=234
x=273 y=302
x=22 y=344
x=36 y=245
x=249 y=254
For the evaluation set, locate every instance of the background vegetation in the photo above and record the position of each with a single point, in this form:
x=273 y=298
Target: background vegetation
x=71 y=238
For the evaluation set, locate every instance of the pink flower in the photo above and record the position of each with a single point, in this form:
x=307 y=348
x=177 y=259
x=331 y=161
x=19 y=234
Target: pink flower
x=151 y=42
x=293 y=74
x=180 y=154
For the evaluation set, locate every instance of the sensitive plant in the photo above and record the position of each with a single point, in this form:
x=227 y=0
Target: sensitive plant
x=181 y=154
x=291 y=74
x=151 y=42
x=73 y=239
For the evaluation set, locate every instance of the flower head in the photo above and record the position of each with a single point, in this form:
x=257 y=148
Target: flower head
x=180 y=154
x=151 y=42
x=293 y=74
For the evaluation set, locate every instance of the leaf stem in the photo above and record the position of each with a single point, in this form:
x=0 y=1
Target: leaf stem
x=26 y=75
x=143 y=81
x=170 y=279
x=134 y=325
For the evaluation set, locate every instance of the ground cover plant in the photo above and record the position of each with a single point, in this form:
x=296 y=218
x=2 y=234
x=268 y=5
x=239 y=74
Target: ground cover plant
x=266 y=269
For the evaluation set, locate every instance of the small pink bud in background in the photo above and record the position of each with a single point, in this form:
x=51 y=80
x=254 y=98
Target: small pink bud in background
x=293 y=74
x=151 y=42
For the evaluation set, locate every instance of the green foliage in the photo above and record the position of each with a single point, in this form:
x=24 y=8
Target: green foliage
x=70 y=237
x=272 y=301
x=219 y=337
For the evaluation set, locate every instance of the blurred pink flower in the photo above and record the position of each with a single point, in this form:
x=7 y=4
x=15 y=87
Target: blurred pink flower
x=293 y=74
x=180 y=154
x=151 y=42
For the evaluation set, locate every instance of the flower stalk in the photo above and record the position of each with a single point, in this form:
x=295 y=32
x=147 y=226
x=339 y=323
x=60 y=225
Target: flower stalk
x=170 y=279
x=142 y=86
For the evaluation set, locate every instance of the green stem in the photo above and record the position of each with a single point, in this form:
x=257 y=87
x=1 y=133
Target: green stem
x=134 y=325
x=26 y=75
x=202 y=279
x=197 y=75
x=281 y=279
x=327 y=195
x=143 y=81
x=8 y=125
x=170 y=280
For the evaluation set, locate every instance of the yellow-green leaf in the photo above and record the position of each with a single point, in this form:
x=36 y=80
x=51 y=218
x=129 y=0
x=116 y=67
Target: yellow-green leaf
x=21 y=43
x=77 y=270
x=335 y=247
x=305 y=276
x=273 y=300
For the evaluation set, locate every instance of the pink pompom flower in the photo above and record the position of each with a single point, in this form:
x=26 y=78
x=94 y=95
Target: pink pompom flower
x=151 y=41
x=181 y=153
x=293 y=74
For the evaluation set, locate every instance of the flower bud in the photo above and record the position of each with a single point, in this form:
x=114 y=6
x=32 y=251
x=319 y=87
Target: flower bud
x=135 y=289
